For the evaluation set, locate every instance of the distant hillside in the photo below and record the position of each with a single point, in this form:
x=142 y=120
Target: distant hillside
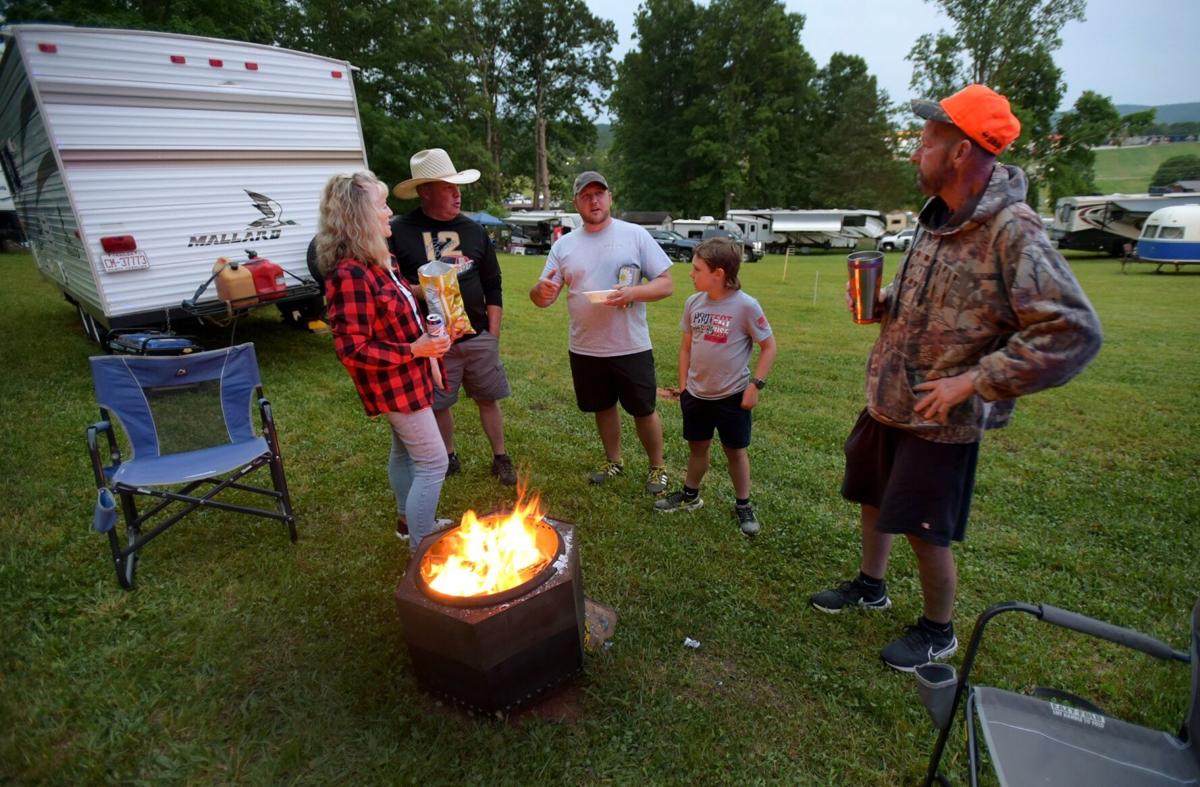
x=1166 y=113
x=1129 y=170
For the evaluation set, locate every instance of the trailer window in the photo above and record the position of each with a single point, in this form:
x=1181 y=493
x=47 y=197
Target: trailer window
x=1149 y=231
x=1171 y=233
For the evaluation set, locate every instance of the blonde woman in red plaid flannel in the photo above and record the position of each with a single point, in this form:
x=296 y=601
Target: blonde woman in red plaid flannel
x=379 y=338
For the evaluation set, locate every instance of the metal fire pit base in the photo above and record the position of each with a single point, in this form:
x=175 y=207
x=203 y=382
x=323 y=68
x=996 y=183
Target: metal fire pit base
x=494 y=658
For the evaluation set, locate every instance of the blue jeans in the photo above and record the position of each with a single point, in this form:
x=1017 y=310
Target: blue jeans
x=417 y=468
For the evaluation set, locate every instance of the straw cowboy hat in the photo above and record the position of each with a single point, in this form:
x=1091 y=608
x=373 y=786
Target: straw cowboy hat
x=428 y=166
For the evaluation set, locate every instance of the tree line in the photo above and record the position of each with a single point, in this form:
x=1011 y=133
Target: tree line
x=716 y=105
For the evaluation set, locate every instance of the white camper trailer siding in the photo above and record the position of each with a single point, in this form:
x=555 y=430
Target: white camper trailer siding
x=169 y=152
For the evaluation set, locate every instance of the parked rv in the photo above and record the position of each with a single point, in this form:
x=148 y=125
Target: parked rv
x=1106 y=223
x=777 y=228
x=539 y=229
x=136 y=159
x=1171 y=236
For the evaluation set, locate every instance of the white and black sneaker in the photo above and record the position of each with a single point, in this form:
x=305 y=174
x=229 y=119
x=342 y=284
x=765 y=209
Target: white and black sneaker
x=851 y=594
x=919 y=645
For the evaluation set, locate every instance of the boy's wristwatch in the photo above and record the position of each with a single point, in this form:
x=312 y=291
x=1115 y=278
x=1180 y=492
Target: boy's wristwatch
x=758 y=382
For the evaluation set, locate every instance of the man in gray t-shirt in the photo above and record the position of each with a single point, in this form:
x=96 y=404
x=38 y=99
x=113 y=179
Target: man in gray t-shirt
x=612 y=269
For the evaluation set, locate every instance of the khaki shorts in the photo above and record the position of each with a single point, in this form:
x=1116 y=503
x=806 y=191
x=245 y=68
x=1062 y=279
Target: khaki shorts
x=473 y=364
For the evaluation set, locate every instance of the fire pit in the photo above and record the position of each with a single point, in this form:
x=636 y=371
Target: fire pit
x=493 y=609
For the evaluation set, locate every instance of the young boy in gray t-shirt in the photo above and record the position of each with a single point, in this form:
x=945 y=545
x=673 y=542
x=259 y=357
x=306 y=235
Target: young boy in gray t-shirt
x=721 y=324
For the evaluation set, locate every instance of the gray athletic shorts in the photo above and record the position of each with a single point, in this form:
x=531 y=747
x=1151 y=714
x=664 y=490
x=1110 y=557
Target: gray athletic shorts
x=474 y=364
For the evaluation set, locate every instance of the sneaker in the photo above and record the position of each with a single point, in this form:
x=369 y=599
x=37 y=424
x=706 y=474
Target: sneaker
x=401 y=528
x=919 y=645
x=851 y=594
x=453 y=466
x=656 y=482
x=502 y=468
x=747 y=521
x=676 y=502
x=610 y=470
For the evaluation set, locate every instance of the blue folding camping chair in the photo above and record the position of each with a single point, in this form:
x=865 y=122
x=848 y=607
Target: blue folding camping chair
x=188 y=422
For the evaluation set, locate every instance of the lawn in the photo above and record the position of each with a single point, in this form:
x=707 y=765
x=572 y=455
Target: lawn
x=1129 y=170
x=242 y=658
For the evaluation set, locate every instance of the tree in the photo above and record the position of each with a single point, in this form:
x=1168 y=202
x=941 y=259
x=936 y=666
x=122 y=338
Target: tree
x=855 y=164
x=1177 y=168
x=1008 y=46
x=1070 y=167
x=658 y=84
x=560 y=61
x=750 y=136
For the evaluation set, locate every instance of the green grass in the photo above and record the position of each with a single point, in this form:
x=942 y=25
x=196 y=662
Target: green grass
x=244 y=658
x=1129 y=170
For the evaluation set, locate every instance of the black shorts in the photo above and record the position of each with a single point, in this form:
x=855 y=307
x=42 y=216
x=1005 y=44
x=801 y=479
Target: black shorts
x=601 y=382
x=920 y=487
x=726 y=416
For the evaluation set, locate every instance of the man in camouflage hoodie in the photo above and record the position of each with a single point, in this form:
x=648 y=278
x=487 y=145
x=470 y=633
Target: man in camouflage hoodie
x=982 y=310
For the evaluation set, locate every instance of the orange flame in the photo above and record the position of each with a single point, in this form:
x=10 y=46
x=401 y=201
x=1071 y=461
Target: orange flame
x=488 y=555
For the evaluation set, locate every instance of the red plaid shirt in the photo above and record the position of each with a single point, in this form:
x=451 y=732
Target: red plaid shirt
x=373 y=326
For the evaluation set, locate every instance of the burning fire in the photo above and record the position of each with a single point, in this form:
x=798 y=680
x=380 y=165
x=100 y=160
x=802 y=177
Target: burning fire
x=489 y=555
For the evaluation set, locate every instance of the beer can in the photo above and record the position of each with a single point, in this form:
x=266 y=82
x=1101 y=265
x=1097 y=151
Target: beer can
x=629 y=274
x=434 y=325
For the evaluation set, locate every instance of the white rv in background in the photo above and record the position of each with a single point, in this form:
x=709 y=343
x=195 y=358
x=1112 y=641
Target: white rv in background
x=1107 y=223
x=778 y=228
x=136 y=159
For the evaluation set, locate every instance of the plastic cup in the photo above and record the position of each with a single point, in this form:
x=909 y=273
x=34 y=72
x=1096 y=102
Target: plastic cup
x=866 y=274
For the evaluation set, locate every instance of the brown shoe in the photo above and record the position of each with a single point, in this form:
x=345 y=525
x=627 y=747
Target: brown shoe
x=502 y=468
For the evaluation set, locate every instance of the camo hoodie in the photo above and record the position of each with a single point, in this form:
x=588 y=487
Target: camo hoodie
x=988 y=294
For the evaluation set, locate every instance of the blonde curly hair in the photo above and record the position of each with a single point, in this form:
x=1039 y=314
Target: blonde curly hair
x=349 y=225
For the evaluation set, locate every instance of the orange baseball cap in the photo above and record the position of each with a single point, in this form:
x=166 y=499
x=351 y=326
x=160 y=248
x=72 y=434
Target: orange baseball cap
x=979 y=112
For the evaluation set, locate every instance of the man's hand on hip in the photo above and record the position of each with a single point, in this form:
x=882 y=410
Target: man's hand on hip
x=942 y=395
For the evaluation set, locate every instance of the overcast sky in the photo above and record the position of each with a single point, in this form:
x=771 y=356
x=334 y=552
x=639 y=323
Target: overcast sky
x=1134 y=52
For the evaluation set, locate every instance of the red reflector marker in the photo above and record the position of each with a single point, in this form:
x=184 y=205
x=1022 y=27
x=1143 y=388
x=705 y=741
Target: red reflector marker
x=180 y=59
x=336 y=74
x=252 y=66
x=215 y=63
x=49 y=49
x=117 y=244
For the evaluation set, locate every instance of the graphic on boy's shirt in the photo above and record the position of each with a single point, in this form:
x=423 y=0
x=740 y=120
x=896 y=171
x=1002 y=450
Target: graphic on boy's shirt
x=762 y=324
x=713 y=327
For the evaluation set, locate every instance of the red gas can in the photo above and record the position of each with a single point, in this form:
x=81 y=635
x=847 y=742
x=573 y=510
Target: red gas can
x=268 y=277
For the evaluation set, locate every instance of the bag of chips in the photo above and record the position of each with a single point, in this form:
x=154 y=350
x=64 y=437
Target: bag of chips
x=442 y=296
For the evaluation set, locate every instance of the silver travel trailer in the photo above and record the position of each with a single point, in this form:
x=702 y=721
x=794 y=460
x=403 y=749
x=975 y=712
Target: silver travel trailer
x=1107 y=223
x=137 y=159
x=778 y=228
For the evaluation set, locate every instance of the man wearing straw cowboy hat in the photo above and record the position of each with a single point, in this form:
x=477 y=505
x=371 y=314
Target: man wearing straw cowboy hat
x=438 y=230
x=982 y=310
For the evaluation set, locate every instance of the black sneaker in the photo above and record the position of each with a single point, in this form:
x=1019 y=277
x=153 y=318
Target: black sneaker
x=677 y=502
x=453 y=466
x=747 y=521
x=851 y=594
x=610 y=470
x=401 y=528
x=919 y=645
x=502 y=468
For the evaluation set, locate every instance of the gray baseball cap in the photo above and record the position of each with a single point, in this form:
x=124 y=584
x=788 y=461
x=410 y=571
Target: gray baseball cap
x=588 y=178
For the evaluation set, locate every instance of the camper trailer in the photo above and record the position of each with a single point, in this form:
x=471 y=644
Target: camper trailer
x=535 y=231
x=778 y=228
x=1171 y=236
x=1106 y=223
x=137 y=159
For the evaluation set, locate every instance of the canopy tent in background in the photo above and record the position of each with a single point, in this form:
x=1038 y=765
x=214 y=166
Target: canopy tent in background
x=486 y=219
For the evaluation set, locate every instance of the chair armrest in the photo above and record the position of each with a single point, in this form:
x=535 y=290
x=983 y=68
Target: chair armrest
x=1118 y=634
x=93 y=445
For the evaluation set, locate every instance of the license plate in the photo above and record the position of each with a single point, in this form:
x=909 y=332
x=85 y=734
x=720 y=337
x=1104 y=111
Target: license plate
x=129 y=261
